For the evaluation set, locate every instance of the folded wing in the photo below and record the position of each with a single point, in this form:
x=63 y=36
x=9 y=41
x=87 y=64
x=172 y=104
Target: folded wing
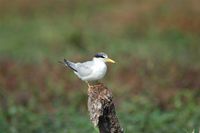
x=84 y=69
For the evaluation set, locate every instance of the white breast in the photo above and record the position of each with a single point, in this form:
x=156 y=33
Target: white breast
x=99 y=71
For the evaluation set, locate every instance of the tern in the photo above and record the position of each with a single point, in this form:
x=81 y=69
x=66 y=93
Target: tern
x=93 y=70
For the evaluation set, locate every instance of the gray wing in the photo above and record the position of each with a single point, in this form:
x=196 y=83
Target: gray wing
x=70 y=64
x=84 y=69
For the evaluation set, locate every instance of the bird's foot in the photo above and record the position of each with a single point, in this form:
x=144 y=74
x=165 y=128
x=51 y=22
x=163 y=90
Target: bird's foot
x=88 y=84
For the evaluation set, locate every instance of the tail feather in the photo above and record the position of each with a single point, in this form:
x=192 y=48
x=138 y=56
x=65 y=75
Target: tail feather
x=70 y=64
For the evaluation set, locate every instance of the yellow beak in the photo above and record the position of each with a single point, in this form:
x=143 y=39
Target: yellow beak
x=110 y=60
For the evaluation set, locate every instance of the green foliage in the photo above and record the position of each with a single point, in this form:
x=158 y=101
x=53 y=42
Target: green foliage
x=155 y=82
x=139 y=115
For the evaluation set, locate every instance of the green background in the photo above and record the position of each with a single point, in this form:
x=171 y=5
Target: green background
x=155 y=82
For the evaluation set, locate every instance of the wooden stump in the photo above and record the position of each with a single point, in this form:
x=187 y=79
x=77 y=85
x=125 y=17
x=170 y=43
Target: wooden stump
x=102 y=109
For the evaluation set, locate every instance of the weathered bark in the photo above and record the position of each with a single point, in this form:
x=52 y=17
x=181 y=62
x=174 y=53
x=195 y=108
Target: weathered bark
x=102 y=109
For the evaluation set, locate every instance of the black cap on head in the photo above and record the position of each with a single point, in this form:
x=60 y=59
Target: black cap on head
x=101 y=55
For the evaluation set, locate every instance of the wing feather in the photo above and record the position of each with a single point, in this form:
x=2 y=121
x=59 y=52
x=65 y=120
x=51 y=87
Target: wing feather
x=84 y=69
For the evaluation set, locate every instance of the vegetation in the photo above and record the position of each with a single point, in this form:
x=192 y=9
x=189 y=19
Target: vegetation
x=155 y=82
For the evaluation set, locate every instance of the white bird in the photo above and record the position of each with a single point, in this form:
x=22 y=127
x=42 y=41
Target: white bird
x=90 y=70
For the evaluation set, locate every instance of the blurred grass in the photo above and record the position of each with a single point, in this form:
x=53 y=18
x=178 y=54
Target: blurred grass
x=138 y=114
x=155 y=82
x=43 y=38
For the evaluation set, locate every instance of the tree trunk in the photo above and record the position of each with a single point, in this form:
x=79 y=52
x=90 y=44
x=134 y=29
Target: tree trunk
x=102 y=109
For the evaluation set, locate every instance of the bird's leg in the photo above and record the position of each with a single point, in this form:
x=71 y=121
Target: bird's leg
x=88 y=83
